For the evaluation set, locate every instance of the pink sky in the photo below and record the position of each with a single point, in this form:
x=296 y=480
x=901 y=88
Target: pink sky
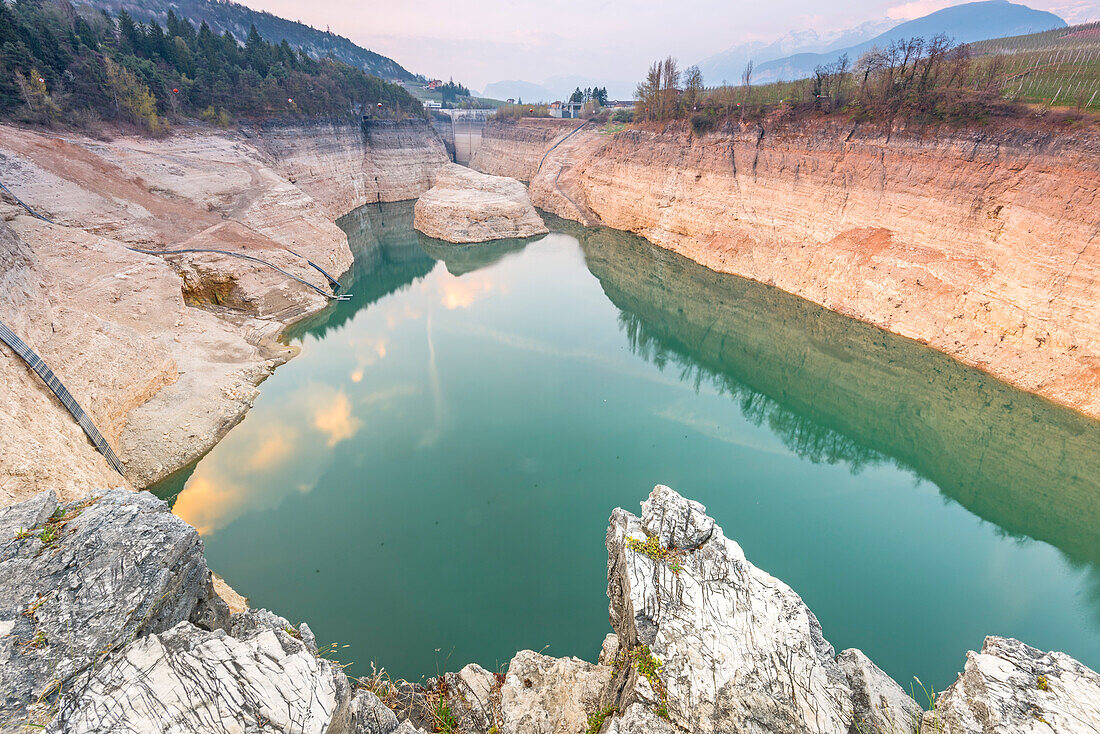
x=488 y=40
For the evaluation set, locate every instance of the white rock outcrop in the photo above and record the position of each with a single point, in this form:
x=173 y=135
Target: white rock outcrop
x=1012 y=687
x=465 y=206
x=735 y=649
x=879 y=705
x=545 y=695
x=189 y=680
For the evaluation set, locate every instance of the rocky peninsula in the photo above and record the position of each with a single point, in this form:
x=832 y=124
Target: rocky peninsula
x=109 y=622
x=465 y=206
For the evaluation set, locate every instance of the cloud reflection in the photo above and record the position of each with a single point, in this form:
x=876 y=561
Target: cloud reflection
x=332 y=416
x=463 y=292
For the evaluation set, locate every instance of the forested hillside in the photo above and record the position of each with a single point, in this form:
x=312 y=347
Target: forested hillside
x=224 y=16
x=60 y=65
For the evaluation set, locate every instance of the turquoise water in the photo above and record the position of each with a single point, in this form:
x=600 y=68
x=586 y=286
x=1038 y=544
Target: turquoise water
x=429 y=481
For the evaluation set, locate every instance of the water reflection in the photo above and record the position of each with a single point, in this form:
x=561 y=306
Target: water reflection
x=388 y=257
x=839 y=391
x=445 y=450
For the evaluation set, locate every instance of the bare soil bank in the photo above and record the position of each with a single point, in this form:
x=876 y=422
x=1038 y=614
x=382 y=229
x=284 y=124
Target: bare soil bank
x=166 y=354
x=979 y=243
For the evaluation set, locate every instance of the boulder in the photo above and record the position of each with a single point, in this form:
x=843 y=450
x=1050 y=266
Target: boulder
x=609 y=650
x=879 y=705
x=82 y=580
x=466 y=206
x=368 y=715
x=545 y=695
x=1012 y=687
x=709 y=640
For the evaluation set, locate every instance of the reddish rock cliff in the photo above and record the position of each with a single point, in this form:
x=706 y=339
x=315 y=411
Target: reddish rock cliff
x=981 y=244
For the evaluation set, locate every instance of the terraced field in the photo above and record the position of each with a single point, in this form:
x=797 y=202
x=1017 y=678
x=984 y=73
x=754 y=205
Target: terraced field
x=1060 y=68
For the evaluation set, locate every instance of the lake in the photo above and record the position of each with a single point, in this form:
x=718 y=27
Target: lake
x=429 y=482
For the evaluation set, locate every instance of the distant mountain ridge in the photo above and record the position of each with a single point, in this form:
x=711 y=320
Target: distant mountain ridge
x=729 y=64
x=976 y=21
x=222 y=16
x=556 y=88
x=517 y=89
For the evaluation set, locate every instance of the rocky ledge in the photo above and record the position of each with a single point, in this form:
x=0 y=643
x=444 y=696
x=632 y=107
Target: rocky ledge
x=466 y=206
x=108 y=622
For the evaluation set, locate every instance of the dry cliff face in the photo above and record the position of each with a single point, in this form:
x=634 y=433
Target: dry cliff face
x=161 y=379
x=344 y=166
x=515 y=148
x=982 y=246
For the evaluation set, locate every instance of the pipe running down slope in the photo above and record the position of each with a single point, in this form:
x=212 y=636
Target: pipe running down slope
x=43 y=370
x=58 y=388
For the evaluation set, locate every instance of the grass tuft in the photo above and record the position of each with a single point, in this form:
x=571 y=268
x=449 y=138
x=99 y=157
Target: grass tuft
x=595 y=721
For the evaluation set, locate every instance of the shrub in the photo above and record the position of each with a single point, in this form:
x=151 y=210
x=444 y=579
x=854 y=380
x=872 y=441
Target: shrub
x=702 y=124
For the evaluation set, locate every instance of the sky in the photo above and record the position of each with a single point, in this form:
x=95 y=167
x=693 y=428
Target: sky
x=482 y=41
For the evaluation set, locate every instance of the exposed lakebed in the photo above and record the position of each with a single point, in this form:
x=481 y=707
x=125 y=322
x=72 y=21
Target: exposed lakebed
x=429 y=481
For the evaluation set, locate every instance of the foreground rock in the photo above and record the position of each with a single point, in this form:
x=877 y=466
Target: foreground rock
x=708 y=640
x=108 y=622
x=544 y=695
x=466 y=206
x=878 y=703
x=1012 y=687
x=80 y=581
x=187 y=679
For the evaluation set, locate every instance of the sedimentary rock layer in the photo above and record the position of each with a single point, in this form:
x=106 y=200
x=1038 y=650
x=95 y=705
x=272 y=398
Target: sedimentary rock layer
x=982 y=244
x=161 y=379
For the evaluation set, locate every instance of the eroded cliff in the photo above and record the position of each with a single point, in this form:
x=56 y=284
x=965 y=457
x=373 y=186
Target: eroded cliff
x=165 y=353
x=981 y=244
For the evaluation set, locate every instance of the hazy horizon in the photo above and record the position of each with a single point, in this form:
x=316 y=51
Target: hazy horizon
x=494 y=40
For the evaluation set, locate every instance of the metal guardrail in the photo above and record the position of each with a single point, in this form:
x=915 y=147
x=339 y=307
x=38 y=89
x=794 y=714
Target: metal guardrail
x=43 y=370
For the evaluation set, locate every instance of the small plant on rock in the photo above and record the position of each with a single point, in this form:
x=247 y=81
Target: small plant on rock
x=595 y=721
x=34 y=606
x=444 y=718
x=648 y=666
x=35 y=642
x=651 y=548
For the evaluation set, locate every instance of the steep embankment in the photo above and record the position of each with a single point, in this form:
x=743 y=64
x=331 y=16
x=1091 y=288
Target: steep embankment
x=162 y=379
x=981 y=244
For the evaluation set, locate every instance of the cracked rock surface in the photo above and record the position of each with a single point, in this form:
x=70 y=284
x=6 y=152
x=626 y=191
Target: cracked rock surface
x=81 y=580
x=1012 y=687
x=191 y=680
x=738 y=650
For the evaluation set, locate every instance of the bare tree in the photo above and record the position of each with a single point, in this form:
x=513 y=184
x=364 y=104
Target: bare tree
x=648 y=93
x=670 y=87
x=693 y=88
x=746 y=86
